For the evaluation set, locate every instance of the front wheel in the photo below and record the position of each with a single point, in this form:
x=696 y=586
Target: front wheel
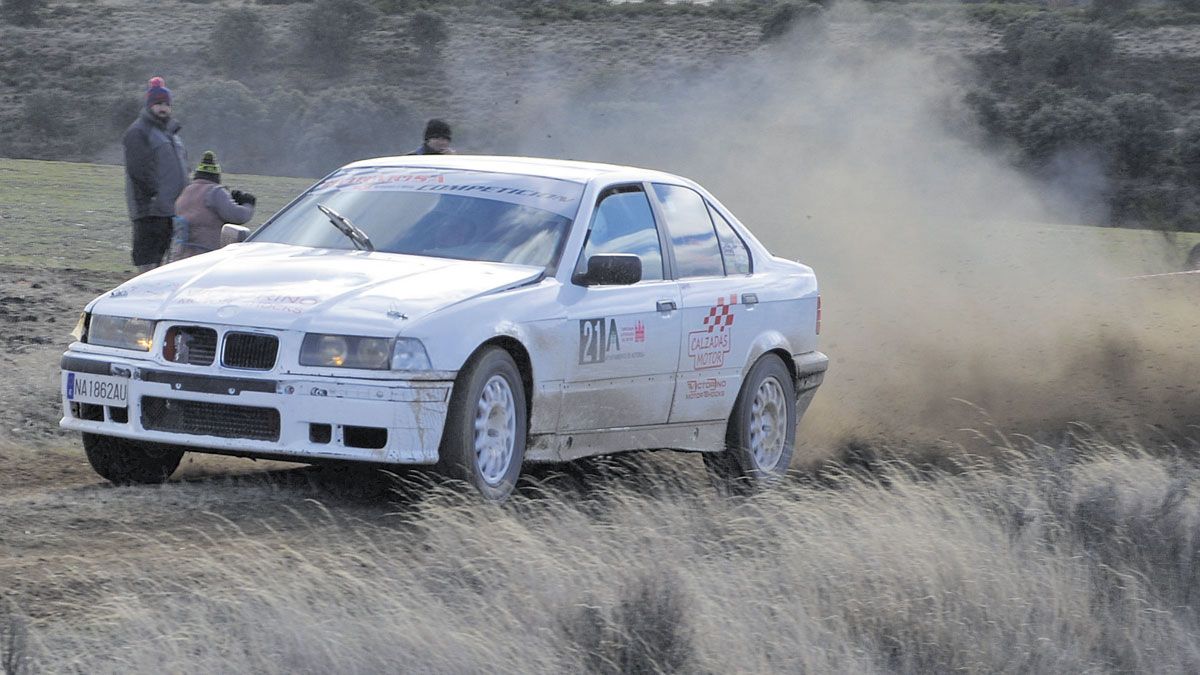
x=125 y=462
x=762 y=431
x=484 y=439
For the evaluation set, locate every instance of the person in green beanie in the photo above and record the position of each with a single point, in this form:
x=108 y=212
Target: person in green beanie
x=203 y=207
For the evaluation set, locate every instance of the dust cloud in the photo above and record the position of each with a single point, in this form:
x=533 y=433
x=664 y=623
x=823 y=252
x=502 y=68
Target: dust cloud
x=958 y=293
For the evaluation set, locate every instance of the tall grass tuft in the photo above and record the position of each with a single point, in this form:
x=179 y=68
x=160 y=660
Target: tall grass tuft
x=1079 y=558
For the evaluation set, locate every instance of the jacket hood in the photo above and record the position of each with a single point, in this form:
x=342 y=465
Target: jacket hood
x=314 y=290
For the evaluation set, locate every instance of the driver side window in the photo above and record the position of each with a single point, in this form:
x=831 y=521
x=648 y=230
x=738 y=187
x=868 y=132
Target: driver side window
x=624 y=223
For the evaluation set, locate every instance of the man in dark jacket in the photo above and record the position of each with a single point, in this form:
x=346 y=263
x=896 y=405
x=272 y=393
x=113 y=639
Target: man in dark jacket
x=155 y=174
x=204 y=207
x=437 y=139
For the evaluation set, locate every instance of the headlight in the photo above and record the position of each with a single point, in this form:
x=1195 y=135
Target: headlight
x=409 y=354
x=121 y=332
x=345 y=351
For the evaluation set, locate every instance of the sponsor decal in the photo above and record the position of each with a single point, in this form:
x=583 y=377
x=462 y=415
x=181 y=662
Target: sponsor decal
x=549 y=194
x=709 y=345
x=291 y=304
x=604 y=339
x=710 y=387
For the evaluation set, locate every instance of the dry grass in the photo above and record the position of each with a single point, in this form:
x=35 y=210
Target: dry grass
x=1081 y=558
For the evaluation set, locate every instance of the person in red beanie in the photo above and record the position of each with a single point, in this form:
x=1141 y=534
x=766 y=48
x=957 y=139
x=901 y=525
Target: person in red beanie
x=156 y=171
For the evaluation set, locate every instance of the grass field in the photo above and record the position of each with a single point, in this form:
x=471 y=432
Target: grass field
x=64 y=215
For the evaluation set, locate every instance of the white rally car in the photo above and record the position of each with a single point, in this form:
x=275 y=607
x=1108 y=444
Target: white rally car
x=475 y=313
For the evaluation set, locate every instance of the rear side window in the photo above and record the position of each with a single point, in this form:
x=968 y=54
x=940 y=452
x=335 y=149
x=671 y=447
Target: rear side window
x=733 y=249
x=697 y=253
x=624 y=223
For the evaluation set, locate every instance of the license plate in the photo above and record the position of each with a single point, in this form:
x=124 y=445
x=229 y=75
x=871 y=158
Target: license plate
x=98 y=389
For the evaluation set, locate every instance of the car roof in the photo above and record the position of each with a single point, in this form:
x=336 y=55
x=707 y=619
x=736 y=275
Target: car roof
x=562 y=169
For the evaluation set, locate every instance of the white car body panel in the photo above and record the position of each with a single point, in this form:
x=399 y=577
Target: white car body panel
x=648 y=385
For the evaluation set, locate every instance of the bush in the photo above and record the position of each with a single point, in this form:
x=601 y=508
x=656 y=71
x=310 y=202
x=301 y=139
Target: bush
x=1046 y=47
x=1144 y=131
x=331 y=32
x=428 y=32
x=1104 y=9
x=1073 y=125
x=22 y=12
x=228 y=118
x=239 y=39
x=353 y=123
x=1188 y=148
x=784 y=18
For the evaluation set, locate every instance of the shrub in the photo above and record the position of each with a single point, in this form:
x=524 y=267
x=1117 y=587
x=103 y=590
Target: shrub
x=428 y=32
x=1045 y=46
x=1103 y=9
x=1073 y=125
x=353 y=123
x=331 y=32
x=1144 y=124
x=22 y=12
x=1188 y=147
x=227 y=117
x=779 y=22
x=238 y=39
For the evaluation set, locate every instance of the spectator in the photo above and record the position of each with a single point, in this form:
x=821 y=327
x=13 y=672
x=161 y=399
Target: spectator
x=437 y=139
x=204 y=207
x=155 y=174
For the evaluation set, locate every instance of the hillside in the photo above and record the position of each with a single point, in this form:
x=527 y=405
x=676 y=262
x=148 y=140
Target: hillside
x=290 y=87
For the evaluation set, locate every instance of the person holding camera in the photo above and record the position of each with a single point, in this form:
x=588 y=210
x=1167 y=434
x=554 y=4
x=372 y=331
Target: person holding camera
x=203 y=207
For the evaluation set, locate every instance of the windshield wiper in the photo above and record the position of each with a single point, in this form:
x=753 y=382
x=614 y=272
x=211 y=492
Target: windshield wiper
x=359 y=238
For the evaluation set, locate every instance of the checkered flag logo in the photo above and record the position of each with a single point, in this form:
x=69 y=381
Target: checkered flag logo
x=720 y=315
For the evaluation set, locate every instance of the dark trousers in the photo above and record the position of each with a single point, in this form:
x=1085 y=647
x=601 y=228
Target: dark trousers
x=151 y=239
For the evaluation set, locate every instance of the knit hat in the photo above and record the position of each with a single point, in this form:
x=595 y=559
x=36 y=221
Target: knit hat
x=437 y=129
x=158 y=92
x=208 y=167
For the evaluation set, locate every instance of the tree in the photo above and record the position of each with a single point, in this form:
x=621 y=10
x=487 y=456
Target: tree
x=1144 y=131
x=239 y=39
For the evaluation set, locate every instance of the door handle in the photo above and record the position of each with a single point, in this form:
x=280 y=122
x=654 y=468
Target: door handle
x=666 y=305
x=749 y=298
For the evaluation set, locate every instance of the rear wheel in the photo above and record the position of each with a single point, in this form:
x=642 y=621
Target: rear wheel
x=762 y=431
x=124 y=462
x=484 y=439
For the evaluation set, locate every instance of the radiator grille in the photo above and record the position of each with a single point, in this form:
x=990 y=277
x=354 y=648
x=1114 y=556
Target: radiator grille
x=210 y=419
x=251 y=351
x=192 y=345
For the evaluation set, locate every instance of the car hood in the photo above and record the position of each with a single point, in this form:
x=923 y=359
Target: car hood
x=299 y=288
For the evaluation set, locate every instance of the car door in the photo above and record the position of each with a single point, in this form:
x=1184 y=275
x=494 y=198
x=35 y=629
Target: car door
x=719 y=304
x=627 y=337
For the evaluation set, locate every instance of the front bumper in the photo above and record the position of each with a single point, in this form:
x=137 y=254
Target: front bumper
x=282 y=416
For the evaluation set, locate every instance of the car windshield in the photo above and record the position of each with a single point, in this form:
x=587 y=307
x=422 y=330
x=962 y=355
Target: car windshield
x=468 y=215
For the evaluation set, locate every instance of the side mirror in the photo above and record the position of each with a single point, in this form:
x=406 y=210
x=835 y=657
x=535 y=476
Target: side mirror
x=611 y=269
x=233 y=234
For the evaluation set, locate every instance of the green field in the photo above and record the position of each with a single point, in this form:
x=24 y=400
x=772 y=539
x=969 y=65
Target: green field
x=72 y=216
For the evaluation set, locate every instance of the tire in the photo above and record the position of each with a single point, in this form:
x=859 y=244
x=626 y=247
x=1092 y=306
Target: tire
x=486 y=427
x=126 y=462
x=761 y=435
